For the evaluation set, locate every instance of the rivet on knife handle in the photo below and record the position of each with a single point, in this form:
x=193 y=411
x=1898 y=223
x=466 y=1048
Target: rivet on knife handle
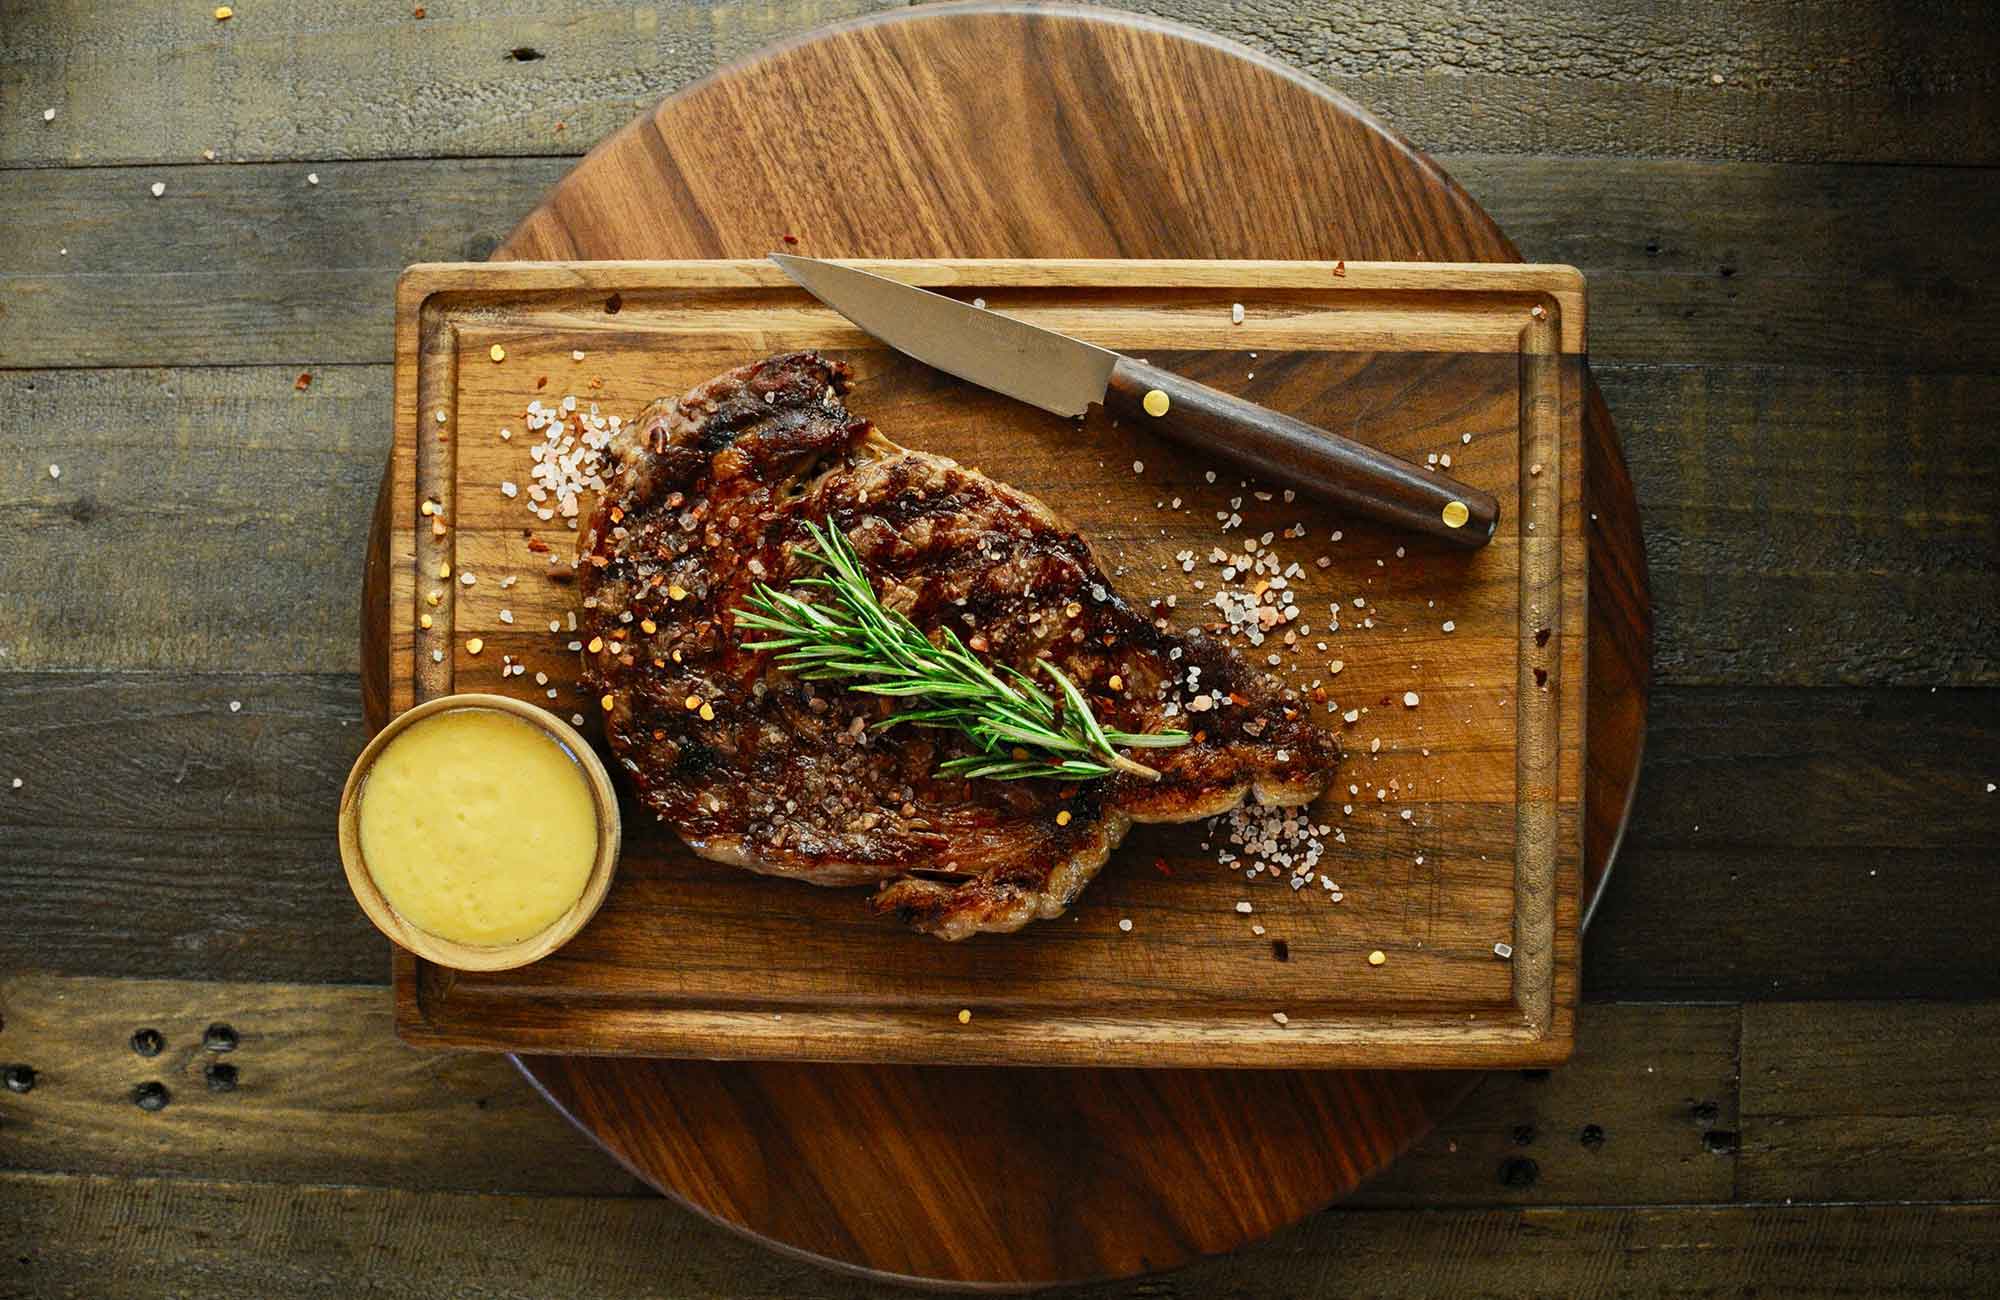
x=1285 y=450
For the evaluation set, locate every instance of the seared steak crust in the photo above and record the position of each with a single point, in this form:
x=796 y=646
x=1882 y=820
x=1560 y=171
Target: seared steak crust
x=753 y=766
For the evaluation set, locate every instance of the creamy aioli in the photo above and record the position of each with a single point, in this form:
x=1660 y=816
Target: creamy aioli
x=478 y=827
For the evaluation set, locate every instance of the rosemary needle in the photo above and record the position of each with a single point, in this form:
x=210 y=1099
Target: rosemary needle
x=1015 y=729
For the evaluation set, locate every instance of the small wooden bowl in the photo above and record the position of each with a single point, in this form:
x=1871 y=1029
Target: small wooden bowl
x=487 y=957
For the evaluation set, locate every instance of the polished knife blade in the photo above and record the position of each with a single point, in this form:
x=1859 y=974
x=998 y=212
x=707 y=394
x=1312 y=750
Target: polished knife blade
x=1027 y=363
x=1067 y=376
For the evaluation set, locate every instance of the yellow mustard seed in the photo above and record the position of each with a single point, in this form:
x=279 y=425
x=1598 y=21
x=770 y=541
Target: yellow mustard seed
x=1062 y=818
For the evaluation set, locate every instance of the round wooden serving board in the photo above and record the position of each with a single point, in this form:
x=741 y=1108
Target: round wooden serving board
x=1012 y=131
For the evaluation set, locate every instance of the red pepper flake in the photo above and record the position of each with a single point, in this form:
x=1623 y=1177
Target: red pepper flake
x=537 y=545
x=418 y=12
x=304 y=381
x=543 y=382
x=1160 y=865
x=1340 y=268
x=791 y=239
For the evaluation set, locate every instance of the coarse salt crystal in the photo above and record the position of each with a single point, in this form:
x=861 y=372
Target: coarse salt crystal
x=1125 y=924
x=48 y=115
x=312 y=178
x=1236 y=312
x=159 y=188
x=1281 y=1018
x=508 y=489
x=236 y=706
x=1503 y=950
x=1243 y=907
x=1409 y=699
x=1450 y=626
x=1138 y=467
x=506 y=616
x=55 y=471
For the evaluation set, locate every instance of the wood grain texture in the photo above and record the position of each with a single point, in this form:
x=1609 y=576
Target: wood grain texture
x=347 y=78
x=1143 y=195
x=1690 y=262
x=321 y=1093
x=110 y=1239
x=1481 y=829
x=1853 y=1101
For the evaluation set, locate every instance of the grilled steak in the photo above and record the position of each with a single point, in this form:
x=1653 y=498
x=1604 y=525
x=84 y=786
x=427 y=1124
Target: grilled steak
x=753 y=766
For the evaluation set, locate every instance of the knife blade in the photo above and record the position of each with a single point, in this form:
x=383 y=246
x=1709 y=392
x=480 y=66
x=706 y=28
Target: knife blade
x=1067 y=376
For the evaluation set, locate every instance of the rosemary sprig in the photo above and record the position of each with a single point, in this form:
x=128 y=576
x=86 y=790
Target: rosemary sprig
x=1016 y=730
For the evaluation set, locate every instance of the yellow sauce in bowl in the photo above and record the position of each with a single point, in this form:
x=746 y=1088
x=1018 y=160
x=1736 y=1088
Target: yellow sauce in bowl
x=478 y=827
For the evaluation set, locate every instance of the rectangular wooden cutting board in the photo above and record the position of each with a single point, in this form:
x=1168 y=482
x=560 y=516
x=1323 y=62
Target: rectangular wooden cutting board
x=1453 y=826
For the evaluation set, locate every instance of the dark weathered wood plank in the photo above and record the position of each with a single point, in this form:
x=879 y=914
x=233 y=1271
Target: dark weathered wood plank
x=157 y=832
x=326 y=1094
x=109 y=1238
x=1626 y=1121
x=323 y=1092
x=351 y=79
x=1806 y=844
x=354 y=79
x=1808 y=526
x=204 y=518
x=1863 y=267
x=235 y=542
x=1840 y=1102
x=149 y=840
x=1870 y=1101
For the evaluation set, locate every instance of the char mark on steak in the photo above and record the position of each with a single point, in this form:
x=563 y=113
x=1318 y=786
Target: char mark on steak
x=754 y=766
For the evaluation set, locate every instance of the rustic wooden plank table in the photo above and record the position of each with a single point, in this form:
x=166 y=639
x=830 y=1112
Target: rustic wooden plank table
x=1791 y=220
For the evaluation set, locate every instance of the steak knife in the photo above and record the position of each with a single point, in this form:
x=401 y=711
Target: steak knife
x=1066 y=376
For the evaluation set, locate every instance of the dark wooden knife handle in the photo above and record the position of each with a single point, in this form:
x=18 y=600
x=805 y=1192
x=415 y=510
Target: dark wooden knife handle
x=1285 y=451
